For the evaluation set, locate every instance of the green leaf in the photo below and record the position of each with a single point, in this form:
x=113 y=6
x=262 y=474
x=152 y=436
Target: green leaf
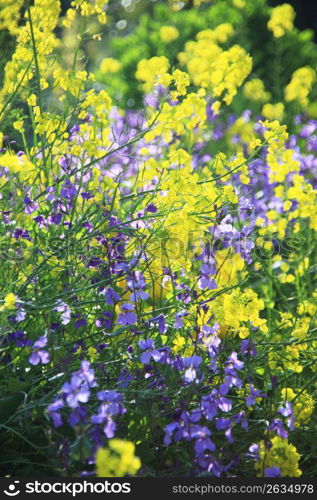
x=9 y=404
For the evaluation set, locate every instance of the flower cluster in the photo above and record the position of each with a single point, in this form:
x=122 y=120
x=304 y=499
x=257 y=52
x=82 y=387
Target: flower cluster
x=118 y=460
x=158 y=256
x=281 y=21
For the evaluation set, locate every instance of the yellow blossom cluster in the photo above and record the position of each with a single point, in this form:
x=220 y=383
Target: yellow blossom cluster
x=300 y=85
x=281 y=454
x=303 y=405
x=273 y=111
x=179 y=79
x=189 y=115
x=280 y=160
x=168 y=34
x=187 y=205
x=220 y=34
x=304 y=194
x=19 y=165
x=148 y=70
x=244 y=129
x=10 y=15
x=35 y=41
x=281 y=20
x=237 y=310
x=118 y=460
x=292 y=355
x=71 y=81
x=109 y=65
x=254 y=90
x=9 y=302
x=86 y=8
x=219 y=71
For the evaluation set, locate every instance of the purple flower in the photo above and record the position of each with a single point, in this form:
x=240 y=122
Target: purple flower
x=159 y=355
x=127 y=317
x=206 y=281
x=111 y=296
x=146 y=344
x=191 y=364
x=77 y=416
x=124 y=378
x=38 y=354
x=20 y=315
x=286 y=410
x=76 y=391
x=138 y=295
x=209 y=112
x=248 y=348
x=222 y=423
x=209 y=407
x=151 y=208
x=195 y=416
x=202 y=440
x=53 y=410
x=68 y=190
x=277 y=426
x=105 y=321
x=160 y=322
x=137 y=284
x=20 y=233
x=87 y=373
x=254 y=393
x=169 y=431
x=110 y=428
x=111 y=406
x=65 y=310
x=20 y=338
x=254 y=451
x=234 y=361
x=179 y=319
x=224 y=404
x=80 y=323
x=111 y=395
x=225 y=424
x=272 y=472
x=30 y=206
x=240 y=418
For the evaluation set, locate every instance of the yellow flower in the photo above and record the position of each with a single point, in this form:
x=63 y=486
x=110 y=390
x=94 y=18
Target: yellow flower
x=9 y=301
x=303 y=405
x=92 y=353
x=31 y=100
x=168 y=34
x=255 y=91
x=230 y=266
x=18 y=125
x=148 y=70
x=210 y=67
x=281 y=21
x=19 y=165
x=118 y=460
x=282 y=454
x=178 y=344
x=110 y=65
x=300 y=85
x=273 y=111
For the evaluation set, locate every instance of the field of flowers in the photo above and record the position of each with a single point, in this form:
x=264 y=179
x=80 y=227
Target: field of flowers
x=158 y=173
